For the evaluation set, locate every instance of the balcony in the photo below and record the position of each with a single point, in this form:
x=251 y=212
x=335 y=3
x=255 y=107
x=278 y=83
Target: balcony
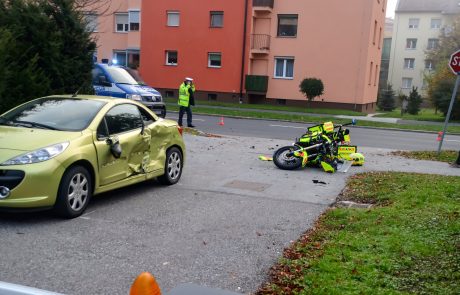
x=262 y=5
x=260 y=44
x=256 y=84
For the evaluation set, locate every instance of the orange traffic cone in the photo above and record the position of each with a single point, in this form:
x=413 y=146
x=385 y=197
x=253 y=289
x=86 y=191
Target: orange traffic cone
x=145 y=284
x=439 y=136
x=221 y=123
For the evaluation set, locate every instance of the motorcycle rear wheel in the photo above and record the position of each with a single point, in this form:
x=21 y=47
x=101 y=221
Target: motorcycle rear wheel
x=285 y=162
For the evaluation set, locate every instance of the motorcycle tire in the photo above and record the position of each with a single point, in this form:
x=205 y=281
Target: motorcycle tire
x=284 y=162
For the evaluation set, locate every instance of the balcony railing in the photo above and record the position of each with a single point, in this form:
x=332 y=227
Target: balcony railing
x=263 y=3
x=260 y=42
x=258 y=84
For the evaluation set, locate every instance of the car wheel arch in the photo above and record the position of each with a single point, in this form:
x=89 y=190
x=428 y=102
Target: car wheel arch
x=89 y=167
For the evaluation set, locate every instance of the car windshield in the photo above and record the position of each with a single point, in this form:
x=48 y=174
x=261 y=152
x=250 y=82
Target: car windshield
x=121 y=76
x=136 y=76
x=66 y=114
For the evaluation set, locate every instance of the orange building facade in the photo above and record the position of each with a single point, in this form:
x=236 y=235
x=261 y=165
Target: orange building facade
x=283 y=42
x=116 y=27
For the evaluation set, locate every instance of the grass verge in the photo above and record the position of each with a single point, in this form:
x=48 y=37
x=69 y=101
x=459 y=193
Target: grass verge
x=246 y=106
x=427 y=114
x=309 y=119
x=445 y=156
x=409 y=242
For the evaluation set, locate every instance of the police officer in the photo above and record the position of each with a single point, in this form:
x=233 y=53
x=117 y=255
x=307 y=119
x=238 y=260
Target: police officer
x=186 y=99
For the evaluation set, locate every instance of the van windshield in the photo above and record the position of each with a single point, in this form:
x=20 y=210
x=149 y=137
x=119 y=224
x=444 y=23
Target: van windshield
x=121 y=76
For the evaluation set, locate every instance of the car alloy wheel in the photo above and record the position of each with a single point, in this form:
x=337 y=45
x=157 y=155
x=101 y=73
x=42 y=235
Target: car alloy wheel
x=78 y=192
x=174 y=165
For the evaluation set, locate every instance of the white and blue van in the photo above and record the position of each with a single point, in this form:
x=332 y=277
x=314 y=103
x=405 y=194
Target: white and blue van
x=116 y=81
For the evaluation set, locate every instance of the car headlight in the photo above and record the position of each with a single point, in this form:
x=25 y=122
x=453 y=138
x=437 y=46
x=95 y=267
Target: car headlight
x=136 y=97
x=40 y=155
x=159 y=98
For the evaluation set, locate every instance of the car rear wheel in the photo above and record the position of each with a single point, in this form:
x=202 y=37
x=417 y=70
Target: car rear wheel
x=173 y=167
x=75 y=191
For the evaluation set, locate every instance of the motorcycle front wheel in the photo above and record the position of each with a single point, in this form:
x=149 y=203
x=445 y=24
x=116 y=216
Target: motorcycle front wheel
x=285 y=160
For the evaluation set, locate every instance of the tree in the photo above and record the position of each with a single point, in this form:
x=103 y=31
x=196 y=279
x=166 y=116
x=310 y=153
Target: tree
x=47 y=50
x=386 y=100
x=414 y=102
x=439 y=80
x=442 y=94
x=311 y=88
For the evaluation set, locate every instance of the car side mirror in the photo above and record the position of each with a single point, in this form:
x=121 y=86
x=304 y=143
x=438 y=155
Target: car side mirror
x=115 y=147
x=103 y=81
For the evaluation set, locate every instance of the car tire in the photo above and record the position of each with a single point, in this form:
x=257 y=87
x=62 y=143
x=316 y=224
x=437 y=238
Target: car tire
x=75 y=192
x=173 y=167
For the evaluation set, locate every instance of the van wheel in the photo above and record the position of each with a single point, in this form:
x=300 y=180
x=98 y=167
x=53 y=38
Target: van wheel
x=75 y=191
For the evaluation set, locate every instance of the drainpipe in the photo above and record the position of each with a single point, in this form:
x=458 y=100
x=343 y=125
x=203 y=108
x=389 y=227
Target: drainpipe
x=243 y=53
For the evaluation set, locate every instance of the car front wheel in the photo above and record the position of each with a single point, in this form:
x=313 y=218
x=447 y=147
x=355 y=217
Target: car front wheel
x=173 y=167
x=75 y=191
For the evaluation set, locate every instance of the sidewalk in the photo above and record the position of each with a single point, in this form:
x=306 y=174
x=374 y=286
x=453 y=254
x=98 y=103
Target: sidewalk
x=359 y=118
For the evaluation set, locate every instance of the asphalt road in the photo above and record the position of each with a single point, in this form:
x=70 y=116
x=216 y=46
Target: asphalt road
x=223 y=225
x=388 y=139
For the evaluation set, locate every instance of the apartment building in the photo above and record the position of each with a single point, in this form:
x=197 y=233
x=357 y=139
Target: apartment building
x=116 y=26
x=260 y=50
x=417 y=28
x=386 y=53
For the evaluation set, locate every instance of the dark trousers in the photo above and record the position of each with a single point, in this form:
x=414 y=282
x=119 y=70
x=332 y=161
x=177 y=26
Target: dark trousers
x=188 y=110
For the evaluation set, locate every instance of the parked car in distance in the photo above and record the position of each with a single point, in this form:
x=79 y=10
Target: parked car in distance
x=116 y=81
x=58 y=151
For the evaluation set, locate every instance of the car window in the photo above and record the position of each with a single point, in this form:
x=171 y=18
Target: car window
x=67 y=114
x=123 y=118
x=102 y=131
x=120 y=75
x=146 y=117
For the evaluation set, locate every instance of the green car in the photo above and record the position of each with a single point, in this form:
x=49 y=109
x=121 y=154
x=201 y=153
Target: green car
x=57 y=152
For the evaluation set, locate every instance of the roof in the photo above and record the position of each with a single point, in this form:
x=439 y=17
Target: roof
x=442 y=6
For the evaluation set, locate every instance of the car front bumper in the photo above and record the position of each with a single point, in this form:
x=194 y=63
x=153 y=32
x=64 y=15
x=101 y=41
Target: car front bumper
x=159 y=108
x=37 y=189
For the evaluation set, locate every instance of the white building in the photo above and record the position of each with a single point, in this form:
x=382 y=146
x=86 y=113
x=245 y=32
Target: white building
x=417 y=27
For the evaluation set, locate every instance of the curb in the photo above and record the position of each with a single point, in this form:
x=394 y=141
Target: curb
x=301 y=122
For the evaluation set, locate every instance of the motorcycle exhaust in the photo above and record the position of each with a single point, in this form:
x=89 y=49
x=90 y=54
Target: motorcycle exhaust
x=4 y=192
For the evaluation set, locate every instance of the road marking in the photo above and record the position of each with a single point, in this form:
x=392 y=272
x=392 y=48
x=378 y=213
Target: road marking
x=283 y=126
x=452 y=140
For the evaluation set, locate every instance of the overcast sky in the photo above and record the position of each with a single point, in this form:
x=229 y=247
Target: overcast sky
x=391 y=6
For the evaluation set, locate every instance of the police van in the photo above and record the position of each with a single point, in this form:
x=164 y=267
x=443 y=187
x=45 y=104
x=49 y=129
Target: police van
x=116 y=81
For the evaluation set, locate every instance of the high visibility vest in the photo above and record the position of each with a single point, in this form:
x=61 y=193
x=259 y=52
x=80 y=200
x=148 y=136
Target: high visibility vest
x=184 y=95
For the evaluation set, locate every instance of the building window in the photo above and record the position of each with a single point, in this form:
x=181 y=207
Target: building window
x=429 y=65
x=120 y=58
x=217 y=19
x=370 y=72
x=413 y=23
x=411 y=43
x=376 y=74
x=284 y=67
x=281 y=101
x=171 y=58
x=432 y=44
x=90 y=19
x=375 y=32
x=436 y=23
x=134 y=20
x=173 y=18
x=287 y=25
x=407 y=83
x=212 y=96
x=169 y=94
x=214 y=60
x=409 y=63
x=121 y=22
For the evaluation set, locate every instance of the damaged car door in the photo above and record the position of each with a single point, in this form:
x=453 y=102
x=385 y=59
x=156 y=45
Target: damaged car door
x=123 y=144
